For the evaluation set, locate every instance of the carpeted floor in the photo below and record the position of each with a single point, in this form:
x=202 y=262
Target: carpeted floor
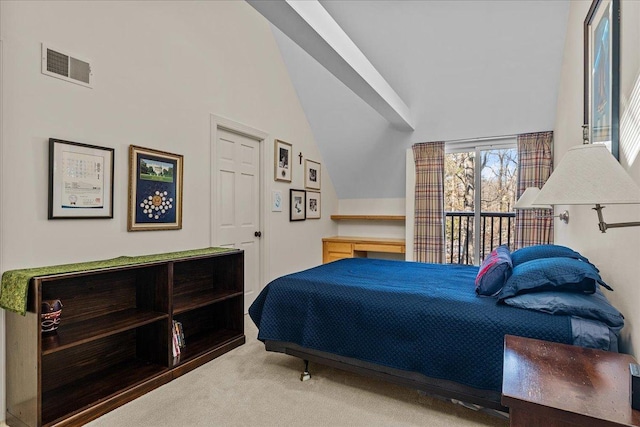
x=251 y=387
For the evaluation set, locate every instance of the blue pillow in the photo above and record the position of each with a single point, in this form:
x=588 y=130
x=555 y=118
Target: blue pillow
x=494 y=272
x=552 y=274
x=530 y=253
x=595 y=306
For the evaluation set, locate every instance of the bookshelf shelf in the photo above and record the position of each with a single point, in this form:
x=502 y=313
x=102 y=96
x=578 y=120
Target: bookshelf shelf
x=74 y=334
x=199 y=344
x=199 y=299
x=78 y=395
x=115 y=339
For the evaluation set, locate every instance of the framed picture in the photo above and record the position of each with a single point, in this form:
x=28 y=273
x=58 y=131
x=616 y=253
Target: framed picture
x=80 y=180
x=313 y=205
x=601 y=74
x=282 y=160
x=297 y=205
x=276 y=201
x=155 y=190
x=312 y=174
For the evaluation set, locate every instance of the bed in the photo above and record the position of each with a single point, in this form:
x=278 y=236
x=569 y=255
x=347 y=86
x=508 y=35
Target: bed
x=416 y=324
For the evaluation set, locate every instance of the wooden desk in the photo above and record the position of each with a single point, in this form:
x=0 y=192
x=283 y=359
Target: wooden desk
x=550 y=384
x=339 y=247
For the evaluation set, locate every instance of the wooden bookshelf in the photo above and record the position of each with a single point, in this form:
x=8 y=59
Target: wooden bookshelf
x=114 y=342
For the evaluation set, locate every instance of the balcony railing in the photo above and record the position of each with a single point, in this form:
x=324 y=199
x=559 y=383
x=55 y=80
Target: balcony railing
x=496 y=228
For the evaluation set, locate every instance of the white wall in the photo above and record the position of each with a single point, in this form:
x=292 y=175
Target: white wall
x=616 y=251
x=368 y=228
x=373 y=228
x=161 y=69
x=2 y=336
x=496 y=72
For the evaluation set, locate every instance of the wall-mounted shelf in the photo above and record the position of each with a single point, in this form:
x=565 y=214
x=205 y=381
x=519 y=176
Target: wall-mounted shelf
x=369 y=217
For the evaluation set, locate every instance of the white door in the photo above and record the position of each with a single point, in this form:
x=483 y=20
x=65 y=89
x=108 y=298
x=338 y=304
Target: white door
x=237 y=199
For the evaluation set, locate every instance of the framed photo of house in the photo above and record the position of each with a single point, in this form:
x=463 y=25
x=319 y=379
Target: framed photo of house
x=80 y=180
x=601 y=74
x=155 y=190
x=297 y=205
x=311 y=174
x=282 y=159
x=313 y=205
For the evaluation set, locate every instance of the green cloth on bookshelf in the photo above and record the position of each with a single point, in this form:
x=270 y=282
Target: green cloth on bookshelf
x=15 y=283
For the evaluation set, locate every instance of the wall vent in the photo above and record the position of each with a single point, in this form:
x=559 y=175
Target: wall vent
x=56 y=63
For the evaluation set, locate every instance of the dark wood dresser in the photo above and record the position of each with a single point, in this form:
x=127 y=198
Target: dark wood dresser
x=550 y=384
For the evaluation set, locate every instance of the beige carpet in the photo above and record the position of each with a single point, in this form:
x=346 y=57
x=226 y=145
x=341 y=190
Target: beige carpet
x=252 y=387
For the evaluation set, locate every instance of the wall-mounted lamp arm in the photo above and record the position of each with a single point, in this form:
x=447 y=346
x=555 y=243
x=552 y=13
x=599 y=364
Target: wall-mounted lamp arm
x=564 y=216
x=603 y=226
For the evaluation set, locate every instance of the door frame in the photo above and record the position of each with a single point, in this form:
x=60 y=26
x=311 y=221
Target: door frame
x=219 y=122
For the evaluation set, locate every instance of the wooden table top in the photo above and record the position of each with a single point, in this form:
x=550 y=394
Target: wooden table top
x=580 y=383
x=357 y=239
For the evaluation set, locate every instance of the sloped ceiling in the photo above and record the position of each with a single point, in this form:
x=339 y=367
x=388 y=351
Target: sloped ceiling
x=465 y=69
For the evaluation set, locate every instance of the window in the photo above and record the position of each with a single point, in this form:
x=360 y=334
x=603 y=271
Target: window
x=489 y=166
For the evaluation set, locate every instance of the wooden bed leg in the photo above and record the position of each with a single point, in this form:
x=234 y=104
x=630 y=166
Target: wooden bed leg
x=305 y=375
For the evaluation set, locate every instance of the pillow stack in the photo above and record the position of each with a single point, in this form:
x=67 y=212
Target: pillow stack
x=550 y=278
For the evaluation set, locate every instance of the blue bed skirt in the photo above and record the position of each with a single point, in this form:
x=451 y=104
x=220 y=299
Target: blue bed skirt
x=415 y=317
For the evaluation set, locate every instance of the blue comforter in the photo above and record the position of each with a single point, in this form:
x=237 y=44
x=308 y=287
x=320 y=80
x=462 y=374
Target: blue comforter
x=416 y=317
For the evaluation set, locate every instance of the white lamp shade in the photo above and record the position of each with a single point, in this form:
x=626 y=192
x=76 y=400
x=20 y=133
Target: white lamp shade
x=526 y=200
x=588 y=175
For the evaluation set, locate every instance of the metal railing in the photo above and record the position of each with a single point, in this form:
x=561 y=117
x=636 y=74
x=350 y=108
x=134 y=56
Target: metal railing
x=496 y=228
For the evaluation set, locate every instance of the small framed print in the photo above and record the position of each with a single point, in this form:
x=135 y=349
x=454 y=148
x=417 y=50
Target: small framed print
x=297 y=205
x=155 y=190
x=313 y=205
x=311 y=174
x=80 y=180
x=282 y=160
x=276 y=201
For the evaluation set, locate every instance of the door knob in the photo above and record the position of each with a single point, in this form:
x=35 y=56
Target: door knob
x=257 y=234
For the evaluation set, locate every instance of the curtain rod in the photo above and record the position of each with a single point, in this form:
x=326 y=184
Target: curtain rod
x=484 y=138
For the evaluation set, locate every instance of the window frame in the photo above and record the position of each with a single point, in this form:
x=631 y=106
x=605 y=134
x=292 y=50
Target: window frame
x=477 y=146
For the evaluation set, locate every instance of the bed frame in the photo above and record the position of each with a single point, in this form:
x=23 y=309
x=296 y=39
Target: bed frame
x=439 y=387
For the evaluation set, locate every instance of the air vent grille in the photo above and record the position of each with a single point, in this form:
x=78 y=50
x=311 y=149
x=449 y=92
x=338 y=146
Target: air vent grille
x=57 y=63
x=80 y=70
x=63 y=66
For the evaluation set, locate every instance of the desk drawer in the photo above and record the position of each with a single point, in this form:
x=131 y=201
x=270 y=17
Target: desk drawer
x=378 y=247
x=340 y=247
x=335 y=257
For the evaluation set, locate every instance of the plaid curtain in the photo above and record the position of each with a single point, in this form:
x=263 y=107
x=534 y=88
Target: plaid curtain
x=429 y=203
x=535 y=164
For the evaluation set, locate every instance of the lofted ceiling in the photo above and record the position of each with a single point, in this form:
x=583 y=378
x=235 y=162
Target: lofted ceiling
x=464 y=69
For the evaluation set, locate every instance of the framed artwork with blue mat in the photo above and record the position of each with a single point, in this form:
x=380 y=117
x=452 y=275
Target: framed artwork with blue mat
x=602 y=75
x=155 y=190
